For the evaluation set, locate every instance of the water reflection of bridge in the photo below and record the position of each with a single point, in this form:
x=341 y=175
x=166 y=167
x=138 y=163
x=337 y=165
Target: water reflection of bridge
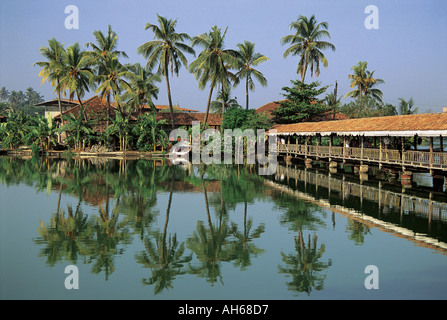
x=370 y=203
x=430 y=209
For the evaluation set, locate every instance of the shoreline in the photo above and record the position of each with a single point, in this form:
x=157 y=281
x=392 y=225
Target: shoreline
x=87 y=154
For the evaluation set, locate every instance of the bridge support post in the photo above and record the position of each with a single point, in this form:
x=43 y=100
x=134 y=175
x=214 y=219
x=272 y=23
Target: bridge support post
x=406 y=178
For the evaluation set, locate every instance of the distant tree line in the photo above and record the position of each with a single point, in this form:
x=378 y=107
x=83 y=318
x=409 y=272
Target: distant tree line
x=17 y=101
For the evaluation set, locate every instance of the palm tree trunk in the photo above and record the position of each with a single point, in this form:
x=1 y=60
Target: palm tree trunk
x=168 y=87
x=303 y=73
x=223 y=100
x=246 y=94
x=208 y=103
x=59 y=138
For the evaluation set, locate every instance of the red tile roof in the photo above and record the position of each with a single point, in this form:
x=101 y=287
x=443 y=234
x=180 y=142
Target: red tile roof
x=424 y=123
x=166 y=107
x=186 y=119
x=269 y=107
x=95 y=108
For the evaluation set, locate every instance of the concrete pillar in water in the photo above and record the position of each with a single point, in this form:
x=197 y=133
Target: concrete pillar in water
x=308 y=163
x=333 y=167
x=363 y=176
x=406 y=178
x=363 y=168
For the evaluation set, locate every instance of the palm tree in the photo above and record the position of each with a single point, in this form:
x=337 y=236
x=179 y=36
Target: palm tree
x=166 y=51
x=113 y=81
x=364 y=80
x=104 y=50
x=307 y=44
x=249 y=59
x=142 y=88
x=52 y=69
x=406 y=107
x=76 y=75
x=4 y=94
x=223 y=98
x=213 y=62
x=105 y=45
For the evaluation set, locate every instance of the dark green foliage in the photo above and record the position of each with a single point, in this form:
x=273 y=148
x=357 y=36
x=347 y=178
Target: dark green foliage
x=237 y=118
x=301 y=103
x=367 y=106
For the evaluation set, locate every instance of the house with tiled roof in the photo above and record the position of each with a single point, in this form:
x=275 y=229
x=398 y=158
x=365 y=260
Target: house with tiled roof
x=97 y=108
x=52 y=106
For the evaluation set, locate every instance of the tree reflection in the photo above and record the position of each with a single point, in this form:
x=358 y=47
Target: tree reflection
x=165 y=257
x=63 y=237
x=357 y=231
x=304 y=265
x=244 y=248
x=106 y=240
x=210 y=245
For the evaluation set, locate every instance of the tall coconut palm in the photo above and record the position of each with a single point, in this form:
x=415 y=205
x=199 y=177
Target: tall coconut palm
x=307 y=44
x=213 y=63
x=103 y=51
x=142 y=88
x=166 y=51
x=364 y=80
x=113 y=81
x=105 y=44
x=52 y=68
x=76 y=75
x=249 y=59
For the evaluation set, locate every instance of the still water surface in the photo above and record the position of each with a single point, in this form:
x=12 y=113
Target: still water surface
x=144 y=229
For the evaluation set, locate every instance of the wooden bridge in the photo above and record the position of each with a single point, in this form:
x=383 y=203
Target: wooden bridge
x=406 y=159
x=380 y=140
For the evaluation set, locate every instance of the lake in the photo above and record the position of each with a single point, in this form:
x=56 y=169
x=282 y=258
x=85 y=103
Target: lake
x=146 y=229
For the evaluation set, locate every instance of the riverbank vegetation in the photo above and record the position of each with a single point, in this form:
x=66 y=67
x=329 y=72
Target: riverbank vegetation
x=102 y=69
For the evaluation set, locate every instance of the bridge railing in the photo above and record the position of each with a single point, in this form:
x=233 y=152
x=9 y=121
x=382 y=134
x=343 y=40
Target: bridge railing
x=410 y=157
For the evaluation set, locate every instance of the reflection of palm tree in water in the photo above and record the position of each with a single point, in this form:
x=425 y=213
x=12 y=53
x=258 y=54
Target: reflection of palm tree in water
x=244 y=248
x=358 y=231
x=304 y=265
x=165 y=258
x=63 y=236
x=210 y=244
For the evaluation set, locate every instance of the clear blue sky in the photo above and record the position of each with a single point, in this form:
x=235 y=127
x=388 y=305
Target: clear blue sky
x=408 y=51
